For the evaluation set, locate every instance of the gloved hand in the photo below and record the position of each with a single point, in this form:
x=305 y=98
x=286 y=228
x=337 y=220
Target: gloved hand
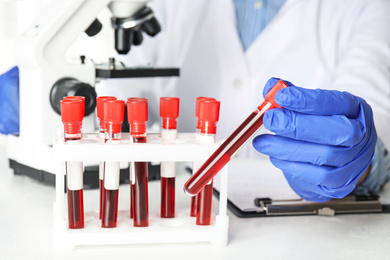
x=9 y=102
x=324 y=140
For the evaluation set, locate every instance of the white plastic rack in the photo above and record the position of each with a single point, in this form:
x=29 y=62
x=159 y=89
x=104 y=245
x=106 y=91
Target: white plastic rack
x=180 y=229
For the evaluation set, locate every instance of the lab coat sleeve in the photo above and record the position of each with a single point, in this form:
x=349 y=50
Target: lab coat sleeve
x=363 y=67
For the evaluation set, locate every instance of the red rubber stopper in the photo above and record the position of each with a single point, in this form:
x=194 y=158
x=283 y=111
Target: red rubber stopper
x=197 y=102
x=271 y=94
x=169 y=111
x=99 y=108
x=113 y=114
x=209 y=116
x=99 y=105
x=77 y=98
x=72 y=113
x=137 y=115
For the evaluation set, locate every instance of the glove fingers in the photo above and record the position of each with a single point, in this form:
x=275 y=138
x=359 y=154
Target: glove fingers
x=303 y=192
x=299 y=151
x=318 y=101
x=332 y=180
x=330 y=130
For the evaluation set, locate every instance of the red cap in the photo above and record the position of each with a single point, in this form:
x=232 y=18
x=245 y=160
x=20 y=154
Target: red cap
x=169 y=111
x=169 y=107
x=209 y=115
x=72 y=113
x=271 y=94
x=113 y=114
x=137 y=115
x=99 y=105
x=77 y=98
x=198 y=100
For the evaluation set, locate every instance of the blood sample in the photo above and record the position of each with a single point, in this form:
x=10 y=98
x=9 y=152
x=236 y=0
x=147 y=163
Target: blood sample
x=197 y=164
x=101 y=188
x=72 y=113
x=209 y=116
x=205 y=205
x=230 y=146
x=113 y=113
x=100 y=114
x=169 y=112
x=137 y=112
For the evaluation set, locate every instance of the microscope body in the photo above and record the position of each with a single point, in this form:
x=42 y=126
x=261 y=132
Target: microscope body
x=40 y=54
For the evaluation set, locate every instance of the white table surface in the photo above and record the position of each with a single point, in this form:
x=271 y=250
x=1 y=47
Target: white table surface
x=26 y=231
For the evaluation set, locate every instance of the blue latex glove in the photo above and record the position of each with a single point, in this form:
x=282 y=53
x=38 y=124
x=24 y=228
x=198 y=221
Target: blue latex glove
x=9 y=102
x=324 y=140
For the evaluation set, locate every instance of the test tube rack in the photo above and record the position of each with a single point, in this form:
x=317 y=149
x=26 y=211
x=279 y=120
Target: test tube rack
x=181 y=229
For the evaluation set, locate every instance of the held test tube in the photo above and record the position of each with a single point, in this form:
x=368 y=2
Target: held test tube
x=169 y=112
x=113 y=116
x=208 y=116
x=100 y=114
x=230 y=146
x=137 y=113
x=72 y=113
x=197 y=165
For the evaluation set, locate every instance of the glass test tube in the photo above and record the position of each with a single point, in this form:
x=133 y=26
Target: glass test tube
x=100 y=114
x=169 y=112
x=231 y=145
x=209 y=116
x=113 y=116
x=72 y=113
x=197 y=164
x=137 y=112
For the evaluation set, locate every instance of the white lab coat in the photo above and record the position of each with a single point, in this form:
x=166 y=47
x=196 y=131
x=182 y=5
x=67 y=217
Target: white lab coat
x=330 y=44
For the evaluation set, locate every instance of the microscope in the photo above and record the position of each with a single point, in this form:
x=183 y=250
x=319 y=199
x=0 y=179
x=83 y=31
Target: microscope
x=46 y=77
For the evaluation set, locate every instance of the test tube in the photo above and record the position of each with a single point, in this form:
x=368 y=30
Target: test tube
x=137 y=112
x=100 y=114
x=209 y=116
x=72 y=113
x=231 y=145
x=169 y=112
x=197 y=164
x=113 y=111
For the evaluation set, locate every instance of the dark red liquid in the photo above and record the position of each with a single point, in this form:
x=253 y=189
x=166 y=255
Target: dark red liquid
x=75 y=209
x=194 y=205
x=223 y=154
x=110 y=208
x=141 y=202
x=167 y=197
x=101 y=199
x=132 y=200
x=205 y=202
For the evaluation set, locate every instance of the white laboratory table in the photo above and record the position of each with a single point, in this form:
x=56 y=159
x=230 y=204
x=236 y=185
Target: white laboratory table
x=26 y=231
